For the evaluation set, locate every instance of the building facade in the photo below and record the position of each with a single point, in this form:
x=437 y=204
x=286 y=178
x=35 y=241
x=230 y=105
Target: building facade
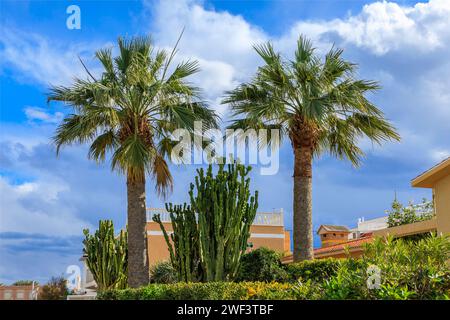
x=267 y=231
x=334 y=243
x=25 y=292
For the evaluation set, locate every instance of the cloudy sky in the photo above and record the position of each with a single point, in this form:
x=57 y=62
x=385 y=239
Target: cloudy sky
x=46 y=201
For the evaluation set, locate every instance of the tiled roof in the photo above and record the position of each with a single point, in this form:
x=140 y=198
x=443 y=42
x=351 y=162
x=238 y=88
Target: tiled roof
x=329 y=227
x=349 y=244
x=352 y=244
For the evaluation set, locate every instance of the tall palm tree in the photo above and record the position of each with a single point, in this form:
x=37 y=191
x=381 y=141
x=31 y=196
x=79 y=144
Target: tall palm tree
x=320 y=106
x=129 y=113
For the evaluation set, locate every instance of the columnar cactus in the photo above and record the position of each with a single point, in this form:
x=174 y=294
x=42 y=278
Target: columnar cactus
x=107 y=256
x=218 y=235
x=184 y=242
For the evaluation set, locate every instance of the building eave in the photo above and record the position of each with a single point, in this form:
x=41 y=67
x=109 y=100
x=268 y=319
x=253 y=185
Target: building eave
x=429 y=178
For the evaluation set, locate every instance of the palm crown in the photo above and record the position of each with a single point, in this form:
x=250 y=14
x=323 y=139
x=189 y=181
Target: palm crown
x=132 y=108
x=317 y=104
x=321 y=106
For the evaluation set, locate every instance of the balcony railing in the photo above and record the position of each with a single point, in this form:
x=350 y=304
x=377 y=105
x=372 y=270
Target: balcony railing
x=274 y=218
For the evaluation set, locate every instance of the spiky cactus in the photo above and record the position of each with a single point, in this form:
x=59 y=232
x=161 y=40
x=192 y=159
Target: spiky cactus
x=184 y=244
x=107 y=256
x=218 y=235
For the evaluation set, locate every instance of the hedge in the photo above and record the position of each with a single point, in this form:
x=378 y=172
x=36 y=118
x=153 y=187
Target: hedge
x=406 y=270
x=314 y=270
x=262 y=264
x=210 y=291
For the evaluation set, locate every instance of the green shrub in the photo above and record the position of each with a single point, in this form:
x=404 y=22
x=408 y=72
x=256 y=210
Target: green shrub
x=408 y=270
x=209 y=291
x=314 y=270
x=163 y=272
x=261 y=264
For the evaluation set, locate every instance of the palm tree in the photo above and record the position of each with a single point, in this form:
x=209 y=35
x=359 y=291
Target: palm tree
x=129 y=113
x=317 y=103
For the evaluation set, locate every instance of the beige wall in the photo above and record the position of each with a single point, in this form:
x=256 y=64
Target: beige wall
x=408 y=229
x=441 y=193
x=331 y=238
x=273 y=237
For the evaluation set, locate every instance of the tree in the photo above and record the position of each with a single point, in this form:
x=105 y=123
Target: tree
x=55 y=289
x=106 y=256
x=400 y=215
x=24 y=283
x=129 y=113
x=320 y=106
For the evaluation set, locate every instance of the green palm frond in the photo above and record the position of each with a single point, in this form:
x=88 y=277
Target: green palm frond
x=132 y=108
x=310 y=95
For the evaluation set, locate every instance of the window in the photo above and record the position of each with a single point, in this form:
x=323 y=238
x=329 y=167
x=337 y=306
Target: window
x=324 y=235
x=20 y=295
x=7 y=295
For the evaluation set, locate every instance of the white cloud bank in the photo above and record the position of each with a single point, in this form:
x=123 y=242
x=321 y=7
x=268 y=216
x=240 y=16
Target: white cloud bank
x=382 y=27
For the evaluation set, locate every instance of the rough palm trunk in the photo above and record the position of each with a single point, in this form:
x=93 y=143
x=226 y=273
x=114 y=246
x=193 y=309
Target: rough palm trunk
x=138 y=271
x=303 y=233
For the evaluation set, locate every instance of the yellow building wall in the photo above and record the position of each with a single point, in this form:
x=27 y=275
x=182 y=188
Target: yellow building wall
x=272 y=237
x=441 y=192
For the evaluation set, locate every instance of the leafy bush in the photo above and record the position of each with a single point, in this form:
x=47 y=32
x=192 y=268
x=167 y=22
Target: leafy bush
x=208 y=291
x=400 y=215
x=55 y=289
x=314 y=270
x=408 y=270
x=261 y=264
x=163 y=272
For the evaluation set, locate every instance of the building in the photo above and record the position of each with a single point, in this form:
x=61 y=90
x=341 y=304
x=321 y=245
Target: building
x=331 y=235
x=335 y=245
x=25 y=292
x=437 y=178
x=267 y=231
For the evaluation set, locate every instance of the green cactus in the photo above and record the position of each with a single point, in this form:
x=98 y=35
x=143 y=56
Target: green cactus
x=219 y=235
x=184 y=242
x=106 y=256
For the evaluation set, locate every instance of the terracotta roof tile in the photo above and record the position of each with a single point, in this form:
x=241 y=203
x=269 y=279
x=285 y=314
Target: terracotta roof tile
x=337 y=247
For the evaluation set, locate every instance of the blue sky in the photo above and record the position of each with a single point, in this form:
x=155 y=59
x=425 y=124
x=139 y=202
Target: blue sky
x=46 y=201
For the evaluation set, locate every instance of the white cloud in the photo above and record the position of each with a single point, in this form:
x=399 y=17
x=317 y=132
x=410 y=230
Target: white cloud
x=40 y=114
x=386 y=26
x=32 y=207
x=34 y=57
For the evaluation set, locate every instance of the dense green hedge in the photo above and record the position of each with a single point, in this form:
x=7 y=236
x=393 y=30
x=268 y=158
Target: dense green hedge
x=208 y=291
x=407 y=270
x=314 y=270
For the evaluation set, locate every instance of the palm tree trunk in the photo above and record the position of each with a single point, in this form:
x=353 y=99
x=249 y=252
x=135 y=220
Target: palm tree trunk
x=303 y=233
x=138 y=270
